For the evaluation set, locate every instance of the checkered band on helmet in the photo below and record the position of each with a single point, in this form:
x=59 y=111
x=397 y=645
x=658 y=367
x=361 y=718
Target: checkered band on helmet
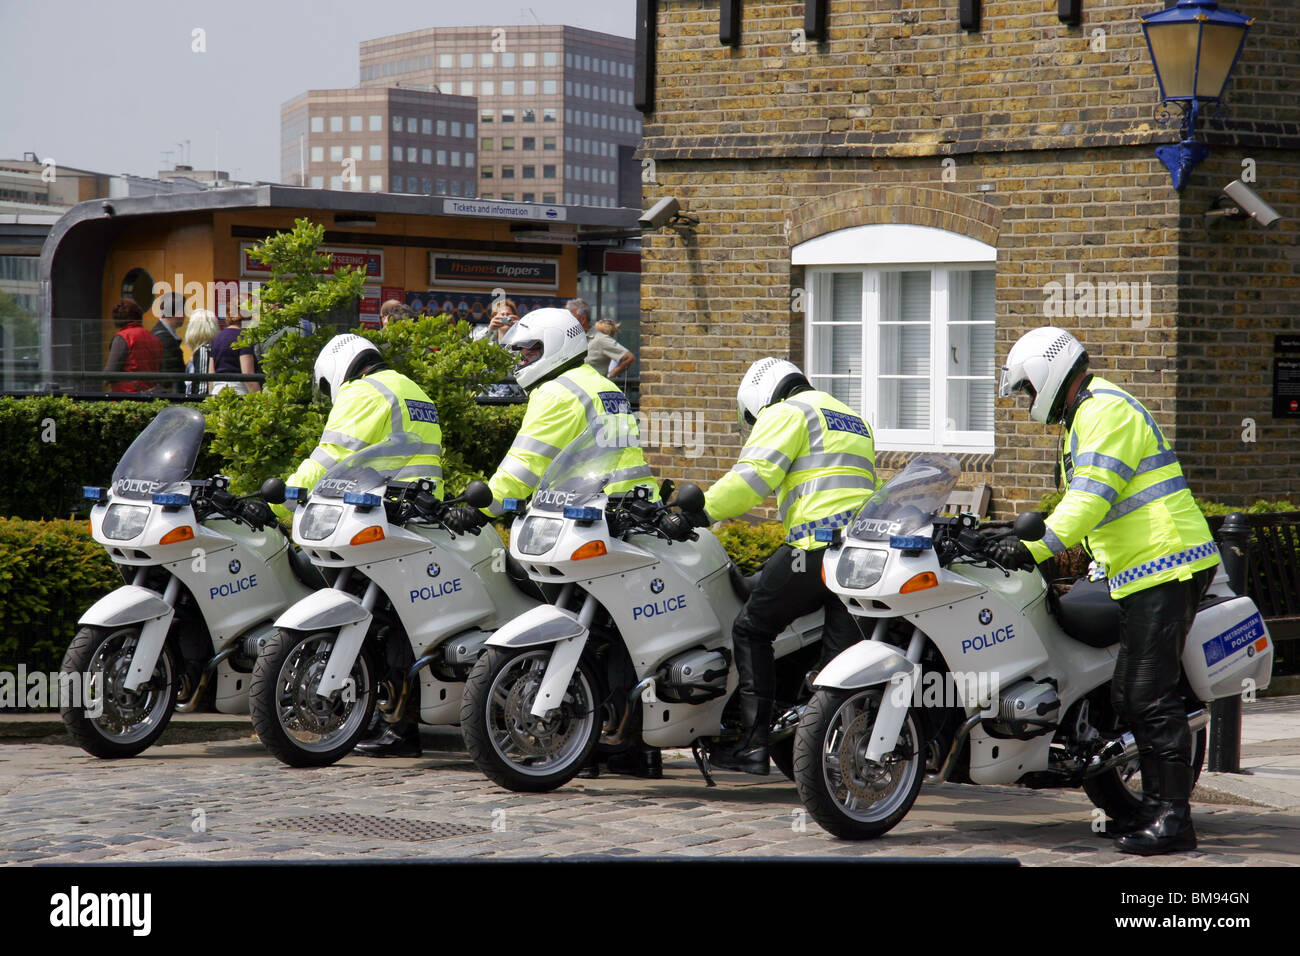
x=1055 y=349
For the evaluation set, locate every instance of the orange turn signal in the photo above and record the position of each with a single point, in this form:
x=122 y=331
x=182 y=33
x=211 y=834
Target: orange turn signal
x=374 y=533
x=919 y=582
x=592 y=549
x=175 y=535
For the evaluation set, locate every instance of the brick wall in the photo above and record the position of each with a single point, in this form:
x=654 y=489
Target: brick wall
x=1053 y=144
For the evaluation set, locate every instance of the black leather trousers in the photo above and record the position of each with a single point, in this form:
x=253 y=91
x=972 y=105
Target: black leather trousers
x=1144 y=690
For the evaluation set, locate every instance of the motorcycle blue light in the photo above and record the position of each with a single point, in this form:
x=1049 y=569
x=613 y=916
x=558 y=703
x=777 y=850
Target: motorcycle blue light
x=513 y=505
x=831 y=535
x=93 y=494
x=909 y=542
x=366 y=500
x=171 y=500
x=582 y=514
x=294 y=493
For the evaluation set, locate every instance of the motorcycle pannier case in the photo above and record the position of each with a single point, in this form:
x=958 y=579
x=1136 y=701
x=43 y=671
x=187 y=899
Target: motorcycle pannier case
x=1228 y=650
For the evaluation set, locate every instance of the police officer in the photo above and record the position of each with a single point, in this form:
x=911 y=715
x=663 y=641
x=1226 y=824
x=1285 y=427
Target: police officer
x=1127 y=498
x=371 y=401
x=818 y=455
x=567 y=401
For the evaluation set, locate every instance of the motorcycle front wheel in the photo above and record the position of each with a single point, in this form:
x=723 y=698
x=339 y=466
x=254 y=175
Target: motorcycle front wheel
x=509 y=745
x=110 y=721
x=848 y=795
x=298 y=726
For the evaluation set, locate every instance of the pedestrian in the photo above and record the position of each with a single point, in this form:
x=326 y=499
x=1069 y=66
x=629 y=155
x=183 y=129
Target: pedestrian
x=170 y=318
x=504 y=315
x=1126 y=497
x=818 y=455
x=393 y=310
x=604 y=353
x=579 y=309
x=228 y=359
x=132 y=349
x=200 y=330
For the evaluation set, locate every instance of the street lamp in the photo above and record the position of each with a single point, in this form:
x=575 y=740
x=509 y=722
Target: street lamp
x=1194 y=47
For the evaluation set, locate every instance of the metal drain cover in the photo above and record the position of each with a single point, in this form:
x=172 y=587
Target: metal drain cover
x=384 y=828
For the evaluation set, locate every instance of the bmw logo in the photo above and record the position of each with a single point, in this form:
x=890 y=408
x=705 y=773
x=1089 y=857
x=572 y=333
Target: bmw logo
x=234 y=567
x=985 y=615
x=433 y=570
x=1250 y=651
x=657 y=585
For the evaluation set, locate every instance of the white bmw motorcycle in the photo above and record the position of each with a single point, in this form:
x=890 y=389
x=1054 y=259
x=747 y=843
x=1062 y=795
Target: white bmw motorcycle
x=209 y=573
x=634 y=649
x=977 y=674
x=398 y=575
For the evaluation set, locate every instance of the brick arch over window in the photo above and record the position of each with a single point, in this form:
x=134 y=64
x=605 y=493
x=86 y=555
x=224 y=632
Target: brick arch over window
x=904 y=205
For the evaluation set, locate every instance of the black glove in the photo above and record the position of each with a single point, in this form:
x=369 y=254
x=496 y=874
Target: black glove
x=1011 y=553
x=463 y=518
x=675 y=526
x=257 y=513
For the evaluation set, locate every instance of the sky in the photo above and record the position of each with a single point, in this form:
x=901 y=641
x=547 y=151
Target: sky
x=117 y=87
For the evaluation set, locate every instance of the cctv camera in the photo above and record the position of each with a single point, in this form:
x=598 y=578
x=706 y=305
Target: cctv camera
x=659 y=214
x=1251 y=205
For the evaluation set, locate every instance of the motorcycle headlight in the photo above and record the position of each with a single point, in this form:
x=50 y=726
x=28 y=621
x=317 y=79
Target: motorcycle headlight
x=124 y=522
x=320 y=521
x=860 y=567
x=539 y=535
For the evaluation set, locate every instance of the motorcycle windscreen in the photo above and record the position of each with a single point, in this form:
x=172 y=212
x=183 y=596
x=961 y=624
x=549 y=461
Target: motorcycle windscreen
x=580 y=472
x=389 y=460
x=161 y=455
x=909 y=501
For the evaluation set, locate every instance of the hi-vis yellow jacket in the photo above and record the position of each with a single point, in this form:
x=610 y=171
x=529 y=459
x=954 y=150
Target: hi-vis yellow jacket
x=816 y=453
x=1126 y=497
x=365 y=412
x=578 y=403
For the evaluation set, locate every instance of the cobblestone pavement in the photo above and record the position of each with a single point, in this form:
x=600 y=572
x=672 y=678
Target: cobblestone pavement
x=230 y=800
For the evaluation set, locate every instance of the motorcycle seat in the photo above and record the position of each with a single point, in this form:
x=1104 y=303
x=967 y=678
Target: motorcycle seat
x=1088 y=614
x=741 y=583
x=304 y=570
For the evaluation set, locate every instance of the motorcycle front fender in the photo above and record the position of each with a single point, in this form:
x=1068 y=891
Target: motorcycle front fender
x=323 y=610
x=131 y=604
x=544 y=624
x=863 y=664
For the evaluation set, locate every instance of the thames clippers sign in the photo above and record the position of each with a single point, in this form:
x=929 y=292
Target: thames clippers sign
x=517 y=272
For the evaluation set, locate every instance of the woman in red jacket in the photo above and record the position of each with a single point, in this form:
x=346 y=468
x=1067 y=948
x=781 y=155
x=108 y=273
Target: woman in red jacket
x=133 y=349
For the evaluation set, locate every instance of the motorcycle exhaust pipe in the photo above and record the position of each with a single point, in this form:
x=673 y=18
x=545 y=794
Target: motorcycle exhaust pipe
x=189 y=706
x=942 y=774
x=1124 y=748
x=399 y=709
x=617 y=737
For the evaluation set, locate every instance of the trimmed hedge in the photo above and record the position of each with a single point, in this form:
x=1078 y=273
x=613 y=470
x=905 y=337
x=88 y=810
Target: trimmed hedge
x=50 y=572
x=56 y=445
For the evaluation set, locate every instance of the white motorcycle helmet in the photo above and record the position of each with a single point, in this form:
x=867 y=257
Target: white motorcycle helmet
x=768 y=380
x=559 y=336
x=340 y=360
x=1042 y=363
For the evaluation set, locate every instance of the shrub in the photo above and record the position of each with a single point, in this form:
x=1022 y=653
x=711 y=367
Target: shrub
x=750 y=544
x=43 y=478
x=50 y=572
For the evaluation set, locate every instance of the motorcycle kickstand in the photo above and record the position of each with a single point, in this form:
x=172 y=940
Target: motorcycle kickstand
x=702 y=761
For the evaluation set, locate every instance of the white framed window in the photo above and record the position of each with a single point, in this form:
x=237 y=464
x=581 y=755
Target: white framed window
x=900 y=325
x=336 y=182
x=336 y=154
x=466 y=61
x=487 y=88
x=508 y=60
x=487 y=59
x=469 y=130
x=397 y=154
x=507 y=87
x=318 y=154
x=336 y=124
x=455 y=157
x=442 y=157
x=354 y=124
x=455 y=128
x=410 y=154
x=548 y=87
x=445 y=61
x=318 y=124
x=550 y=58
x=530 y=59
x=356 y=151
x=426 y=127
x=426 y=156
x=397 y=184
x=447 y=87
x=467 y=88
x=376 y=123
x=528 y=87
x=376 y=152
x=318 y=182
x=442 y=127
x=469 y=160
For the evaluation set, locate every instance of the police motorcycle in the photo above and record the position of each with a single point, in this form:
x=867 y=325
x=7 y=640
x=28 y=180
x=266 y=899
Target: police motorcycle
x=209 y=572
x=979 y=674
x=398 y=575
x=634 y=648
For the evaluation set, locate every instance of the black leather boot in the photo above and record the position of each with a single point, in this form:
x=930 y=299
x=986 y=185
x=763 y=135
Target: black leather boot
x=1145 y=814
x=395 y=740
x=1170 y=832
x=644 y=762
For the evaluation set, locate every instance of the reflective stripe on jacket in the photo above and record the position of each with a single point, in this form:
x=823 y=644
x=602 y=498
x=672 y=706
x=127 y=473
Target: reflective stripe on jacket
x=559 y=413
x=365 y=412
x=1126 y=496
x=816 y=453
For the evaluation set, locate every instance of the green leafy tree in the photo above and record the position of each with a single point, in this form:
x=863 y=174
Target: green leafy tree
x=269 y=432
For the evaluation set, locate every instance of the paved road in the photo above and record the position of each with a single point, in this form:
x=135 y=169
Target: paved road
x=58 y=804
